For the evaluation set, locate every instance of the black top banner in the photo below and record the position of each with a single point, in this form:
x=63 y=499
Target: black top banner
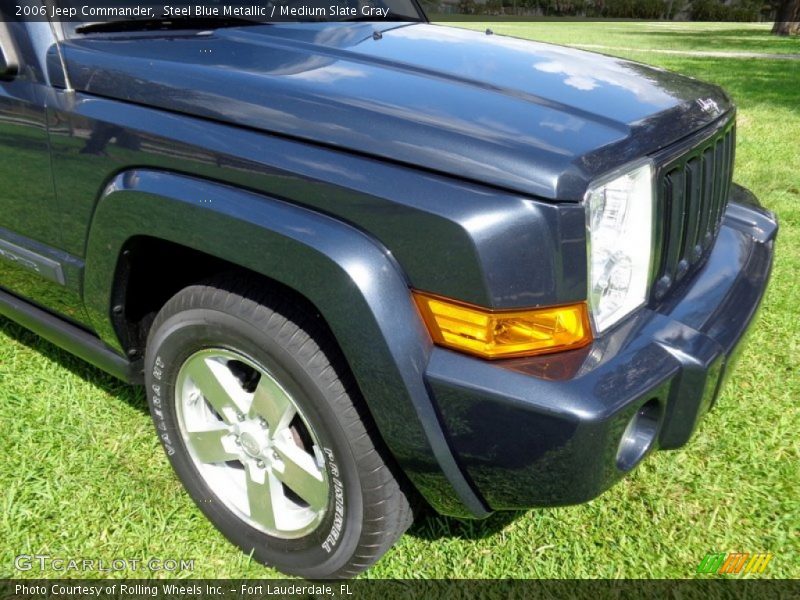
x=267 y=11
x=221 y=11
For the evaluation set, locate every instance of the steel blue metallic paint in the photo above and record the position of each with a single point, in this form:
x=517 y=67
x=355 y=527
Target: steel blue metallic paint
x=339 y=269
x=535 y=118
x=451 y=237
x=351 y=169
x=528 y=441
x=29 y=211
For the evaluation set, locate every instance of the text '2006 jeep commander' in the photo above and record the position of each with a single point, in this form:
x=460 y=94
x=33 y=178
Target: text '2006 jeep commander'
x=362 y=263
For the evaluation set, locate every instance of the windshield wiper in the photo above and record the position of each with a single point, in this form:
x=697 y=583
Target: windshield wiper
x=164 y=24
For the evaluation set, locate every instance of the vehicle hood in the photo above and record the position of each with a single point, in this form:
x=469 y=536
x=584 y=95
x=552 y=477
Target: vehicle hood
x=531 y=117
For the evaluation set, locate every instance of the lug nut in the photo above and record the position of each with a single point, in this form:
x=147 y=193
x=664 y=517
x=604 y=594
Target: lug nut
x=275 y=455
x=260 y=464
x=237 y=441
x=240 y=416
x=263 y=422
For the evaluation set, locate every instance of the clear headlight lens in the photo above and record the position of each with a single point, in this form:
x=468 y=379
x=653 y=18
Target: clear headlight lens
x=619 y=219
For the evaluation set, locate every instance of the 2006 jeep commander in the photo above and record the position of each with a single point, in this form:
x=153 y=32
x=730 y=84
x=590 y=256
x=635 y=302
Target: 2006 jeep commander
x=357 y=263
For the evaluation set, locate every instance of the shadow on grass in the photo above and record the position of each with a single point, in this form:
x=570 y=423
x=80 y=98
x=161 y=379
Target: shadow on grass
x=431 y=526
x=428 y=525
x=132 y=395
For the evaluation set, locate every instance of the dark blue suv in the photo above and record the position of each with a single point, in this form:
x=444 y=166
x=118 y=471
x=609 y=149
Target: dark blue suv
x=363 y=265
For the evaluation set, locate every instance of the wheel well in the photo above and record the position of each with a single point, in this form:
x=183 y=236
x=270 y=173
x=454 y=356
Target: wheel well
x=150 y=271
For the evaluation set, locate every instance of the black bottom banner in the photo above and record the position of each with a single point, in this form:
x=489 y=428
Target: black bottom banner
x=387 y=589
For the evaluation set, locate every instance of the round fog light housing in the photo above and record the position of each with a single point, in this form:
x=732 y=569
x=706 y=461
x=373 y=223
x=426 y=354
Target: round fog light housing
x=639 y=435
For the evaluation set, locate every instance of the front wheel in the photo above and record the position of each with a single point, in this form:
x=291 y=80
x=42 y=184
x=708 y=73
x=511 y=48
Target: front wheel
x=256 y=412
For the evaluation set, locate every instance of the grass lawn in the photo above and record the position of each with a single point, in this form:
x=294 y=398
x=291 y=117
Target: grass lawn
x=83 y=475
x=649 y=36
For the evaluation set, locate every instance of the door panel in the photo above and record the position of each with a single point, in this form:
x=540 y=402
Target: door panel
x=27 y=198
x=31 y=266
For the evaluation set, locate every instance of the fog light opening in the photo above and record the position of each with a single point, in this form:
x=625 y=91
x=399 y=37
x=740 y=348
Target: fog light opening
x=639 y=435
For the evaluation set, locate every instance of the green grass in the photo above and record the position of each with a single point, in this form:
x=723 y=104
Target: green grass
x=650 y=36
x=83 y=475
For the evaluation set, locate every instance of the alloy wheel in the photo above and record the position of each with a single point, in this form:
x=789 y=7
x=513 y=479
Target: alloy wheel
x=251 y=443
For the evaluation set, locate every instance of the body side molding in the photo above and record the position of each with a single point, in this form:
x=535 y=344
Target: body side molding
x=46 y=261
x=46 y=267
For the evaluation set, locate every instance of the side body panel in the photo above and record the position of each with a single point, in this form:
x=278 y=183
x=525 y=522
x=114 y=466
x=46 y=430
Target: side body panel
x=97 y=149
x=450 y=237
x=352 y=281
x=30 y=263
x=123 y=171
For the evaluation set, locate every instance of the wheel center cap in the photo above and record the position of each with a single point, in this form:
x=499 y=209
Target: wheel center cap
x=250 y=444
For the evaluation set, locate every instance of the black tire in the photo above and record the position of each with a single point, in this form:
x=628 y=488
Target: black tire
x=370 y=511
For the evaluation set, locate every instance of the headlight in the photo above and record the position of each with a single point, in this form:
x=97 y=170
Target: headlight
x=619 y=220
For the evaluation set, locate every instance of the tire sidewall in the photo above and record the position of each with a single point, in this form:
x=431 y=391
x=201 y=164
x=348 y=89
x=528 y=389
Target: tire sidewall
x=171 y=343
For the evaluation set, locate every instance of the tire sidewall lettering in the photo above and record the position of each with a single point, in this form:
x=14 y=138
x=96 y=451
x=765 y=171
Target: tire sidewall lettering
x=336 y=533
x=338 y=502
x=157 y=406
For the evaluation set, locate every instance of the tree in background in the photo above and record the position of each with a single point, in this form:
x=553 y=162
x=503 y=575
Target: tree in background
x=787 y=21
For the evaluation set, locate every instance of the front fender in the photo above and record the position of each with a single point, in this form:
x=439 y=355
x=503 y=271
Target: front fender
x=354 y=283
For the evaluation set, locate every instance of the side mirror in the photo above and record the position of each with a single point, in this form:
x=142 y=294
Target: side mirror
x=9 y=61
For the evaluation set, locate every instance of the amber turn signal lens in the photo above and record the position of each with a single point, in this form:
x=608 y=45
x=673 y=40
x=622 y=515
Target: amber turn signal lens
x=504 y=334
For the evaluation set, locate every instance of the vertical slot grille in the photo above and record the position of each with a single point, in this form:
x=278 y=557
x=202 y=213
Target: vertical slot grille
x=693 y=192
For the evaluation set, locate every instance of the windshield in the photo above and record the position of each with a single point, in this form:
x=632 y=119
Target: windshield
x=83 y=16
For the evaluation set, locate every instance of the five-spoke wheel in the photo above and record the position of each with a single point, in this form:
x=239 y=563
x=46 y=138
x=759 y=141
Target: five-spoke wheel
x=264 y=425
x=251 y=442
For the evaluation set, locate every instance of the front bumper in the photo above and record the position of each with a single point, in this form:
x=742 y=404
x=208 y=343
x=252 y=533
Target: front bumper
x=555 y=430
